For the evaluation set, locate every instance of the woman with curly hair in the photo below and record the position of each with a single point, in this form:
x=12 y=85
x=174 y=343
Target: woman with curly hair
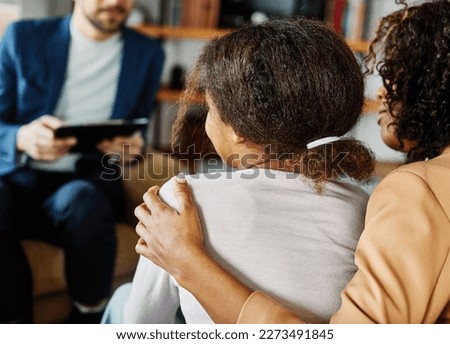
x=279 y=98
x=415 y=70
x=403 y=255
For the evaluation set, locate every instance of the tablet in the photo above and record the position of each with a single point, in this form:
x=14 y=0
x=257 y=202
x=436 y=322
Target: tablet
x=89 y=134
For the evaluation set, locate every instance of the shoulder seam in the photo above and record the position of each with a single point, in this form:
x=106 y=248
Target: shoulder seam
x=427 y=186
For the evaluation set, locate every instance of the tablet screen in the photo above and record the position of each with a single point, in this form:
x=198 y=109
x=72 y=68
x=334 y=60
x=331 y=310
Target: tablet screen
x=89 y=134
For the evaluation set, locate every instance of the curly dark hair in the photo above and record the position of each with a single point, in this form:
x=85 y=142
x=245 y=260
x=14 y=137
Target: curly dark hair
x=411 y=52
x=283 y=84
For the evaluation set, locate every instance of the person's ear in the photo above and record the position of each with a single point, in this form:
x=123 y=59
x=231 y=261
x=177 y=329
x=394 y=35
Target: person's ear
x=236 y=138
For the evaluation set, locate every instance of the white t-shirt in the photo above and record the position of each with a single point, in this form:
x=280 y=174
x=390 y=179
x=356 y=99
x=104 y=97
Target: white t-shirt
x=272 y=231
x=89 y=89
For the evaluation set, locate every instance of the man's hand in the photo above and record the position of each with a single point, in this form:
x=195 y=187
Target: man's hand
x=167 y=237
x=37 y=139
x=125 y=147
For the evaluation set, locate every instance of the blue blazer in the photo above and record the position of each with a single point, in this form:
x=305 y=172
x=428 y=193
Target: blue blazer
x=33 y=61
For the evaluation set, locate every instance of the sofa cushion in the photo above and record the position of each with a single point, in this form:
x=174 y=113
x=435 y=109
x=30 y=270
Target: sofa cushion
x=47 y=261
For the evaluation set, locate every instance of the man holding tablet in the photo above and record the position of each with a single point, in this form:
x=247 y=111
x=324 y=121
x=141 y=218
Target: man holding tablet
x=79 y=69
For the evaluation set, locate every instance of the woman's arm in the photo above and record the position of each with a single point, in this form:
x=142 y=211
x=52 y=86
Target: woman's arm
x=174 y=241
x=402 y=256
x=402 y=259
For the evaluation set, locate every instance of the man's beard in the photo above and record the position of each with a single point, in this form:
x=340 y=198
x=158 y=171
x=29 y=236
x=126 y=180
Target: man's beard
x=99 y=25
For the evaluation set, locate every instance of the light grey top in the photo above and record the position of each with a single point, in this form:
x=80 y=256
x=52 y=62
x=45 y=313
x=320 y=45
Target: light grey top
x=271 y=230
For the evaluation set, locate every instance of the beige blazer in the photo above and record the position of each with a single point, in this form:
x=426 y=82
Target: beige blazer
x=403 y=255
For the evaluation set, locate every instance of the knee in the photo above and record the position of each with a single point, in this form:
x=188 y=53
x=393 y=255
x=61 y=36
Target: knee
x=5 y=193
x=80 y=197
x=82 y=206
x=6 y=203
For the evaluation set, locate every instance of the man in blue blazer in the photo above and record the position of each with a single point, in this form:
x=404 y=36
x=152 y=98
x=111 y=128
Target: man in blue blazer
x=80 y=68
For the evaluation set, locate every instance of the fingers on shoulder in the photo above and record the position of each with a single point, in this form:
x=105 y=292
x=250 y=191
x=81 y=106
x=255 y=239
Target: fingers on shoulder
x=141 y=211
x=152 y=200
x=141 y=246
x=183 y=194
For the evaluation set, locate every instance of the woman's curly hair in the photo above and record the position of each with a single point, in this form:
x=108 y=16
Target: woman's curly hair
x=411 y=52
x=281 y=85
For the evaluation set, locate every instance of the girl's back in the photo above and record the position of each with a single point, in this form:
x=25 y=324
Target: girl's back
x=277 y=233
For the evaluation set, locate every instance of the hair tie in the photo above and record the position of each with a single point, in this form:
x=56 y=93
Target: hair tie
x=323 y=141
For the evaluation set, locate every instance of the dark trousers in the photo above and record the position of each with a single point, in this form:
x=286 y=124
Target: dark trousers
x=75 y=211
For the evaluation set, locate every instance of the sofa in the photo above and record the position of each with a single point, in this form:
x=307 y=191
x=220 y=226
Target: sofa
x=51 y=301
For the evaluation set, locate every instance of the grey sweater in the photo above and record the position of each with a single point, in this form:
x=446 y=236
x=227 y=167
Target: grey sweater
x=271 y=230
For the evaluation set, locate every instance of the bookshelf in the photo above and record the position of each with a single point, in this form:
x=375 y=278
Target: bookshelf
x=184 y=20
x=166 y=94
x=180 y=32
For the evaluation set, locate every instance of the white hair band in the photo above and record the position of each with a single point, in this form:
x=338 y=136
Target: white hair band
x=323 y=141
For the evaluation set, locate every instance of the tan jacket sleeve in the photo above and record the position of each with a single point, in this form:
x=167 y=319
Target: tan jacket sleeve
x=260 y=308
x=402 y=257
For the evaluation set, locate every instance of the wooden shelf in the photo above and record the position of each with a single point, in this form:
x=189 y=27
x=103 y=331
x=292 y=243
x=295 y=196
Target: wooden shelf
x=359 y=46
x=178 y=32
x=165 y=94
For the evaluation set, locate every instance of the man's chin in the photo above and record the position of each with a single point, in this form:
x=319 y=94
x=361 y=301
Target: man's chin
x=113 y=29
x=110 y=27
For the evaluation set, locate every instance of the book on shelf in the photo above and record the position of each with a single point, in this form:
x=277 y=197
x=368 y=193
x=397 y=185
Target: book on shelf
x=190 y=13
x=347 y=17
x=171 y=12
x=335 y=14
x=354 y=19
x=200 y=13
x=235 y=13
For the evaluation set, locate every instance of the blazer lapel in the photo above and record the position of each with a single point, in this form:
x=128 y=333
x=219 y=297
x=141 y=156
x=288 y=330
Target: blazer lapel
x=131 y=62
x=57 y=54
